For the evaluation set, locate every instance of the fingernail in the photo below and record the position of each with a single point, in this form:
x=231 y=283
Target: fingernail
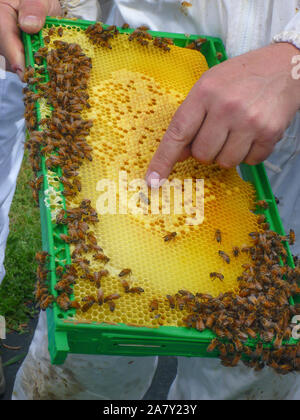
x=19 y=69
x=31 y=22
x=153 y=179
x=20 y=73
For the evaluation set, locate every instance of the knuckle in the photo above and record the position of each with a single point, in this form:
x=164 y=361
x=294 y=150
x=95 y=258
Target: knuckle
x=201 y=155
x=175 y=132
x=206 y=87
x=231 y=105
x=272 y=132
x=254 y=120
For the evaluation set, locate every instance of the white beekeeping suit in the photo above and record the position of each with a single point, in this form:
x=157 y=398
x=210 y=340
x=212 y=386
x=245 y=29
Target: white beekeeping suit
x=243 y=25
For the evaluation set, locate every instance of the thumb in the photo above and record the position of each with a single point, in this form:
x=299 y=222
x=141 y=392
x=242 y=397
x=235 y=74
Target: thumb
x=32 y=15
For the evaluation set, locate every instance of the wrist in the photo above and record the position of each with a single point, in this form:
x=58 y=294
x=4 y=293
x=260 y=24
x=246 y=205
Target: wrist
x=288 y=56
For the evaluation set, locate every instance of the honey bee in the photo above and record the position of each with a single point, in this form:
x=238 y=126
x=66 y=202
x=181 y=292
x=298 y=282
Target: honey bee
x=75 y=304
x=292 y=237
x=125 y=272
x=143 y=28
x=126 y=286
x=210 y=321
x=238 y=345
x=137 y=290
x=171 y=301
x=223 y=350
x=51 y=31
x=235 y=251
x=213 y=345
x=225 y=257
x=278 y=342
x=251 y=333
x=91 y=237
x=258 y=350
x=101 y=257
x=262 y=203
x=111 y=305
x=28 y=74
x=261 y=219
x=46 y=302
x=153 y=305
x=218 y=236
x=219 y=56
x=41 y=273
x=186 y=4
x=200 y=326
x=100 y=296
x=113 y=296
x=284 y=369
x=63 y=301
x=66 y=238
x=89 y=302
x=41 y=257
x=170 y=236
x=231 y=361
x=40 y=291
x=77 y=184
x=191 y=46
x=98 y=275
x=217 y=275
x=64 y=285
x=180 y=302
x=60 y=31
x=125 y=26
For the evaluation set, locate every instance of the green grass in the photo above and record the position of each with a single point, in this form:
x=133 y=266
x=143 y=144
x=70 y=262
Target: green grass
x=17 y=288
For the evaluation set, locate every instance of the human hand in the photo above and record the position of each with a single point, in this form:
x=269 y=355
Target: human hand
x=28 y=15
x=235 y=113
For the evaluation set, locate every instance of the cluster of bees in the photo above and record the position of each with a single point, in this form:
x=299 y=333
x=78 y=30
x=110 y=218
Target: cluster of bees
x=101 y=36
x=63 y=144
x=261 y=309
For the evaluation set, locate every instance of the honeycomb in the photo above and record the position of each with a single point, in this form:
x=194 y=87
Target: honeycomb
x=134 y=91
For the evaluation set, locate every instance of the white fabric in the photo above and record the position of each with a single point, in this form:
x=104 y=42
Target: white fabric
x=11 y=150
x=243 y=25
x=207 y=379
x=291 y=37
x=81 y=377
x=75 y=8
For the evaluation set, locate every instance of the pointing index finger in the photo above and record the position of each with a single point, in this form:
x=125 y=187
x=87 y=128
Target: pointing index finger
x=183 y=128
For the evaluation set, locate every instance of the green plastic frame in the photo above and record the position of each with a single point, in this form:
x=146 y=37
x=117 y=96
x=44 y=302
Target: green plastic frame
x=69 y=336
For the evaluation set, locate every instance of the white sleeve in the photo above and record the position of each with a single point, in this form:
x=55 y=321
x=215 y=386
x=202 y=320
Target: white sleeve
x=82 y=9
x=291 y=32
